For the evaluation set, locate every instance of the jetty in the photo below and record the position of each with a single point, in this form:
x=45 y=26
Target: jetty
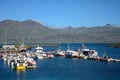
x=116 y=60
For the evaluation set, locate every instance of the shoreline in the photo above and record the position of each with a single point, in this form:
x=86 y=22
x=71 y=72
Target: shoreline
x=115 y=45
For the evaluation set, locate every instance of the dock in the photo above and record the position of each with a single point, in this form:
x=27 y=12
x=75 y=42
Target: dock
x=116 y=60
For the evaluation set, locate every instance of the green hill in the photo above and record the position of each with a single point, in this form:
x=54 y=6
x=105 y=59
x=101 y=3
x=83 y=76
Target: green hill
x=33 y=32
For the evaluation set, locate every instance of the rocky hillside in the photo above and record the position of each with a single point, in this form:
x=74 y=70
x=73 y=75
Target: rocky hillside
x=33 y=32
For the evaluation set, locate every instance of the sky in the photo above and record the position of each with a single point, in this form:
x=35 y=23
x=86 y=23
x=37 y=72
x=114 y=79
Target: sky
x=62 y=13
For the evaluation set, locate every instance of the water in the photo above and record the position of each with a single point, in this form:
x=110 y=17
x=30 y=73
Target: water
x=61 y=68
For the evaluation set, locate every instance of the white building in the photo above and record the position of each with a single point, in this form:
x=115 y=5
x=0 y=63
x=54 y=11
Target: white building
x=8 y=46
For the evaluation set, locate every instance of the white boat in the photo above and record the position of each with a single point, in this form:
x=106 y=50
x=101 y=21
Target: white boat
x=49 y=55
x=84 y=49
x=39 y=49
x=39 y=52
x=82 y=56
x=22 y=48
x=31 y=63
x=40 y=56
x=92 y=54
x=71 y=54
x=60 y=53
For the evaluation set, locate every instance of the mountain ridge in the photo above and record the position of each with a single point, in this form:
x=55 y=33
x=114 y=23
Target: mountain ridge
x=34 y=32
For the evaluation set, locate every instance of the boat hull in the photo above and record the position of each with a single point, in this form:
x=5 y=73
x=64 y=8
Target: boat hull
x=20 y=67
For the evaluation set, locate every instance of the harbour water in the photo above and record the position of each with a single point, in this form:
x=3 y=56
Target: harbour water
x=61 y=68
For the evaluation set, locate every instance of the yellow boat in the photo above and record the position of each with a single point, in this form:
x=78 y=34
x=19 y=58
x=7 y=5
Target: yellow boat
x=20 y=67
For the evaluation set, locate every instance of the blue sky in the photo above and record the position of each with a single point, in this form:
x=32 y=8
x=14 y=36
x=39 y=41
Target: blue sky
x=62 y=13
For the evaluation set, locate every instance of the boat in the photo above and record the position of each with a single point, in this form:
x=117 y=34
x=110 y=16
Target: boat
x=83 y=52
x=22 y=48
x=93 y=54
x=39 y=56
x=38 y=49
x=106 y=58
x=86 y=53
x=39 y=52
x=71 y=54
x=49 y=55
x=84 y=49
x=82 y=56
x=31 y=63
x=60 y=53
x=20 y=65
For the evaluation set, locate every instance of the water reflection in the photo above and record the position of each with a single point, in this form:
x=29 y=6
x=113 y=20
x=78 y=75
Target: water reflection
x=20 y=74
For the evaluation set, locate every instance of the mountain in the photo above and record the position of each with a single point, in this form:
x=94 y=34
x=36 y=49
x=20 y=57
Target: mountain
x=101 y=34
x=29 y=31
x=33 y=32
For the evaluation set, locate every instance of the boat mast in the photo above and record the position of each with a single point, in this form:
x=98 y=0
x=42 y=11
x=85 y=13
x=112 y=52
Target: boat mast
x=68 y=47
x=59 y=41
x=83 y=45
x=23 y=45
x=23 y=41
x=5 y=40
x=59 y=45
x=104 y=54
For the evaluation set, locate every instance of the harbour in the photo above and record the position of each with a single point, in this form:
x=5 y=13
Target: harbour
x=59 y=40
x=64 y=68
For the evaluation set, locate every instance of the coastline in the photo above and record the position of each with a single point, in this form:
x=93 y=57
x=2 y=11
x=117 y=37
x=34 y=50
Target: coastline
x=115 y=45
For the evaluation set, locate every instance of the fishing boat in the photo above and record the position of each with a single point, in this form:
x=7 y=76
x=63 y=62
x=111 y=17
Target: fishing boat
x=60 y=53
x=84 y=49
x=49 y=55
x=83 y=52
x=82 y=56
x=92 y=54
x=71 y=54
x=39 y=56
x=38 y=49
x=39 y=52
x=22 y=48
